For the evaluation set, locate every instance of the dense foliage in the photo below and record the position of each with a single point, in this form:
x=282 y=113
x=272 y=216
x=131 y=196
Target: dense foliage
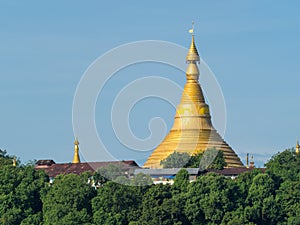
x=254 y=197
x=212 y=158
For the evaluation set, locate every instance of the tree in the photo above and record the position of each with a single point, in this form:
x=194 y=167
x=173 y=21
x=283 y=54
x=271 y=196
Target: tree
x=294 y=220
x=122 y=180
x=236 y=217
x=158 y=207
x=111 y=171
x=68 y=200
x=33 y=219
x=20 y=193
x=141 y=180
x=288 y=198
x=5 y=159
x=209 y=198
x=219 y=162
x=175 y=160
x=212 y=158
x=262 y=208
x=181 y=181
x=284 y=166
x=244 y=182
x=115 y=204
x=194 y=160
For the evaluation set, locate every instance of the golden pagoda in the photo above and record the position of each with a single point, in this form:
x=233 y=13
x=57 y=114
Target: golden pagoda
x=192 y=131
x=76 y=158
x=297 y=147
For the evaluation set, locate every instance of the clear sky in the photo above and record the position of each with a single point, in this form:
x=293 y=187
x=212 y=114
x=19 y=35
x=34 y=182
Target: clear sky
x=253 y=48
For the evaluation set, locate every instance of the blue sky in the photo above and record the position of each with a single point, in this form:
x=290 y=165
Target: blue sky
x=251 y=46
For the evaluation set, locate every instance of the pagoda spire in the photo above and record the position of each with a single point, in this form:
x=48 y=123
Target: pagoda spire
x=192 y=55
x=14 y=162
x=76 y=158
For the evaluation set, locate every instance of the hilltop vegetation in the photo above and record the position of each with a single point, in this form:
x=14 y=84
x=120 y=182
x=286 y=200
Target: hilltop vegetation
x=253 y=198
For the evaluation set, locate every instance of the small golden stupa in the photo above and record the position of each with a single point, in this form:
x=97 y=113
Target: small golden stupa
x=14 y=161
x=192 y=131
x=76 y=158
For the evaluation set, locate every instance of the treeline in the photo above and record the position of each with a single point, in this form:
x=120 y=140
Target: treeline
x=254 y=197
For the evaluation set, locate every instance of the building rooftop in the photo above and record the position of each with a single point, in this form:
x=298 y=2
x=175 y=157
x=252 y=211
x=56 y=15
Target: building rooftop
x=52 y=169
x=194 y=171
x=166 y=171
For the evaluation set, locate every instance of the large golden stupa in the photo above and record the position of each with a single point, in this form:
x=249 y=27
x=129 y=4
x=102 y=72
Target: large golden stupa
x=192 y=131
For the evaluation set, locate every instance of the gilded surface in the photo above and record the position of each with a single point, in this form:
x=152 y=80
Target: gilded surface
x=192 y=131
x=76 y=158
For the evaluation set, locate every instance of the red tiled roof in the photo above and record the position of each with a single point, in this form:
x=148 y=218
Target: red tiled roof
x=78 y=168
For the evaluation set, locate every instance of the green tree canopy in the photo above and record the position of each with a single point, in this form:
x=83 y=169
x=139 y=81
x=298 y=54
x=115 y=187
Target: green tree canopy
x=209 y=198
x=182 y=180
x=285 y=165
x=115 y=204
x=175 y=160
x=261 y=206
x=158 y=207
x=244 y=182
x=68 y=200
x=212 y=158
x=288 y=198
x=141 y=180
x=5 y=159
x=253 y=198
x=20 y=193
